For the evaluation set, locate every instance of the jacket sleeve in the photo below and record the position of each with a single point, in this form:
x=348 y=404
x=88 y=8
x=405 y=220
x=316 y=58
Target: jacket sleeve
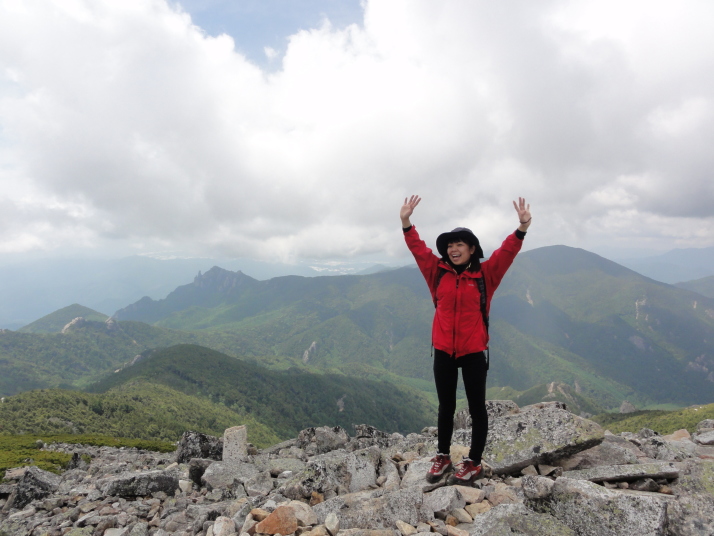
x=498 y=264
x=426 y=260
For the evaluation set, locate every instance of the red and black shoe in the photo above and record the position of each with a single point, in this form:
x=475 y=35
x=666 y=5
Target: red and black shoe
x=441 y=464
x=466 y=472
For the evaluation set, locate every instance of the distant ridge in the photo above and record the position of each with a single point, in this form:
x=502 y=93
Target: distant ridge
x=703 y=286
x=54 y=322
x=207 y=290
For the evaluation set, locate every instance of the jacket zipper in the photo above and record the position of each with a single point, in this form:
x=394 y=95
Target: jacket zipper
x=456 y=307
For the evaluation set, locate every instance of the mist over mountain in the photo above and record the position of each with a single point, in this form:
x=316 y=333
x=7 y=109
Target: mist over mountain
x=674 y=266
x=35 y=288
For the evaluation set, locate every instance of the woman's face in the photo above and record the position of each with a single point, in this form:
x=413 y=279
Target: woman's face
x=460 y=252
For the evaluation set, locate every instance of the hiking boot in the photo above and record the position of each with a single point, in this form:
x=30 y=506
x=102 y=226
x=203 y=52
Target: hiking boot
x=441 y=464
x=466 y=472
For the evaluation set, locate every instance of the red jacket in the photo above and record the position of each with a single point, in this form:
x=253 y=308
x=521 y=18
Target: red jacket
x=458 y=327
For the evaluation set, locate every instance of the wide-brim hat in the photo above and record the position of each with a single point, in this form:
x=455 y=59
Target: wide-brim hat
x=460 y=233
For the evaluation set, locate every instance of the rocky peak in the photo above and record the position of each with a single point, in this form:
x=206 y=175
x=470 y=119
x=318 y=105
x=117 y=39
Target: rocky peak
x=222 y=281
x=547 y=472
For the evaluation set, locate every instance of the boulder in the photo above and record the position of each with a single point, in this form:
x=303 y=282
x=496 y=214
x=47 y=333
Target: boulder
x=494 y=408
x=303 y=513
x=704 y=438
x=260 y=484
x=691 y=514
x=537 y=436
x=196 y=468
x=321 y=440
x=130 y=485
x=537 y=487
x=614 y=450
x=625 y=472
x=512 y=519
x=705 y=426
x=224 y=526
x=358 y=511
x=341 y=472
x=34 y=484
x=198 y=445
x=235 y=444
x=228 y=476
x=281 y=521
x=443 y=500
x=658 y=448
x=415 y=476
x=592 y=510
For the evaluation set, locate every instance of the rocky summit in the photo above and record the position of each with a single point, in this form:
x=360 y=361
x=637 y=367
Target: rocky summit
x=547 y=472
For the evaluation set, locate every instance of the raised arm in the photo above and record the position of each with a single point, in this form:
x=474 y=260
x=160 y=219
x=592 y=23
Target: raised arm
x=524 y=214
x=407 y=210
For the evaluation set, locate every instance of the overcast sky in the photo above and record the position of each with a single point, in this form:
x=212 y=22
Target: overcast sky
x=293 y=130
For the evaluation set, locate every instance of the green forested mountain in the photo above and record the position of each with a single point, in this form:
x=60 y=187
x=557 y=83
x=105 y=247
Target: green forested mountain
x=55 y=322
x=288 y=400
x=704 y=286
x=137 y=409
x=561 y=315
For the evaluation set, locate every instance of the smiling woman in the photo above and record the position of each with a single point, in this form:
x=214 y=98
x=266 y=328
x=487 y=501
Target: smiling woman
x=462 y=287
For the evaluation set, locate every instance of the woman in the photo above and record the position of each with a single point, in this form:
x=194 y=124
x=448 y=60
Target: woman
x=459 y=332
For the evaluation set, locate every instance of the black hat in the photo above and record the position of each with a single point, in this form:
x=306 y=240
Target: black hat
x=460 y=233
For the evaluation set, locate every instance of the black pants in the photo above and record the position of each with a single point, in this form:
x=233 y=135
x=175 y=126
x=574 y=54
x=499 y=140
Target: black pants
x=446 y=374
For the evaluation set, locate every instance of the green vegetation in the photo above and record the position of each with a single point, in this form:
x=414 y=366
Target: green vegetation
x=704 y=286
x=138 y=410
x=289 y=400
x=54 y=322
x=561 y=315
x=22 y=450
x=662 y=422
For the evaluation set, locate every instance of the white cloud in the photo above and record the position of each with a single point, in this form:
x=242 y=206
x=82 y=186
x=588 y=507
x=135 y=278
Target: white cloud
x=124 y=125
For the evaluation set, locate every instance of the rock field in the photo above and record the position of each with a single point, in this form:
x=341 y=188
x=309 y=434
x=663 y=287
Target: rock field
x=548 y=472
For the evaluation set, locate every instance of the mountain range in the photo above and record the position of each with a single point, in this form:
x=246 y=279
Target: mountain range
x=566 y=325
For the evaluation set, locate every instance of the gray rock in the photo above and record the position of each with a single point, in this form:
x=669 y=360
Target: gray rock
x=130 y=485
x=443 y=500
x=705 y=425
x=357 y=511
x=228 y=476
x=389 y=473
x=691 y=514
x=321 y=440
x=336 y=471
x=660 y=449
x=34 y=484
x=625 y=472
x=592 y=510
x=332 y=524
x=196 y=468
x=516 y=519
x=537 y=436
x=704 y=438
x=276 y=466
x=198 y=445
x=494 y=408
x=235 y=444
x=275 y=449
x=614 y=450
x=415 y=476
x=140 y=529
x=260 y=484
x=537 y=487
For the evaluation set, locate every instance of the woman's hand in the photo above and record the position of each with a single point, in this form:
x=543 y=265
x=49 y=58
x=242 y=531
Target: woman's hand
x=524 y=214
x=407 y=210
